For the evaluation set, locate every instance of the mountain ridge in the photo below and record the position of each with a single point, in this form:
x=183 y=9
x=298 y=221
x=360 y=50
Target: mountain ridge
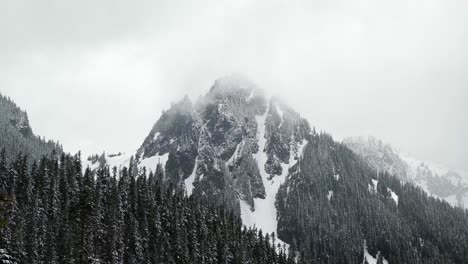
x=16 y=134
x=435 y=180
x=255 y=155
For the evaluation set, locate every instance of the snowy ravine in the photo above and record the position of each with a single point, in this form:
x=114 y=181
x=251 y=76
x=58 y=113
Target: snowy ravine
x=264 y=214
x=189 y=181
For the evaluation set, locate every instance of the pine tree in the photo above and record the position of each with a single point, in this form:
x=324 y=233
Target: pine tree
x=31 y=231
x=64 y=203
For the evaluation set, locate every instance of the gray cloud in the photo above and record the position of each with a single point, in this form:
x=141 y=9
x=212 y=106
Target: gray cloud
x=97 y=74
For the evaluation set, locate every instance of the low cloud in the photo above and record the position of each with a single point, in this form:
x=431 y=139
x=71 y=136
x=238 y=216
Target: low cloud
x=96 y=76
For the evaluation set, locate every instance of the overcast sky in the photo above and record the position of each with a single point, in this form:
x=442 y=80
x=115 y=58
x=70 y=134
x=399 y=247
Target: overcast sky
x=96 y=75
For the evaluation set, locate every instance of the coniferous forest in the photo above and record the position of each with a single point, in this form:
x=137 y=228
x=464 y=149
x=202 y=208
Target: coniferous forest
x=54 y=213
x=329 y=218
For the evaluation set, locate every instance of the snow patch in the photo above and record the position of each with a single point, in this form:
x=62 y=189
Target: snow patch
x=236 y=154
x=280 y=113
x=394 y=195
x=189 y=181
x=370 y=259
x=119 y=161
x=374 y=183
x=156 y=135
x=220 y=107
x=151 y=162
x=248 y=218
x=337 y=177
x=294 y=157
x=330 y=195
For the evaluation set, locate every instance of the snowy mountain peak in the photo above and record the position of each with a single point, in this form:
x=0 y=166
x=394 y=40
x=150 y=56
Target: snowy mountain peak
x=233 y=147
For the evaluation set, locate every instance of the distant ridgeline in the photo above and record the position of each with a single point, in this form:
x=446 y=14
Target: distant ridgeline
x=437 y=181
x=16 y=135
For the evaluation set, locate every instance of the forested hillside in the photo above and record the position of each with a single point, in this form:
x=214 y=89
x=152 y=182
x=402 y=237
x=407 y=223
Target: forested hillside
x=57 y=214
x=435 y=180
x=333 y=202
x=16 y=134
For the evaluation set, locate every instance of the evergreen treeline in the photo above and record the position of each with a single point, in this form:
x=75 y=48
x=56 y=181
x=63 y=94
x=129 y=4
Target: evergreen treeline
x=57 y=214
x=333 y=202
x=17 y=136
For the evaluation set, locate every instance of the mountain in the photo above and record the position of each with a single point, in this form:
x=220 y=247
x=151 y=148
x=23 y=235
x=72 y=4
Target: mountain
x=437 y=181
x=214 y=148
x=16 y=134
x=237 y=148
x=234 y=156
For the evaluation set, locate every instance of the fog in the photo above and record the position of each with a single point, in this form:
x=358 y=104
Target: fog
x=96 y=76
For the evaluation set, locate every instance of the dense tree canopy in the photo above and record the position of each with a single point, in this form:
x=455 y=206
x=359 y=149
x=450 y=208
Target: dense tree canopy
x=332 y=202
x=57 y=214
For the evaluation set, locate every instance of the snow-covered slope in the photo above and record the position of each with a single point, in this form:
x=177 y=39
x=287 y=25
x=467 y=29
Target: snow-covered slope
x=95 y=162
x=121 y=160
